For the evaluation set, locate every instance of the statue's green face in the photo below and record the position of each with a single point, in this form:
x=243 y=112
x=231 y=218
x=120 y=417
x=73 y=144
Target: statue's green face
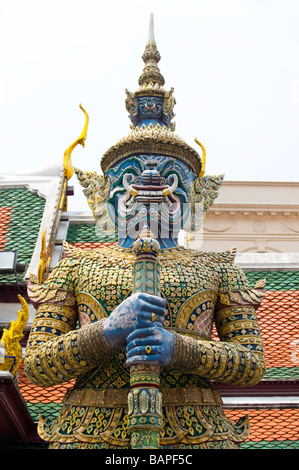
x=153 y=189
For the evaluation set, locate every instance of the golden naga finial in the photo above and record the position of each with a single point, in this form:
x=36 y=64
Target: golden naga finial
x=68 y=166
x=203 y=158
x=11 y=340
x=43 y=259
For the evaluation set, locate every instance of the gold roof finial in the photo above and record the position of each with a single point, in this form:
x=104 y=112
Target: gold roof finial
x=67 y=161
x=203 y=159
x=151 y=76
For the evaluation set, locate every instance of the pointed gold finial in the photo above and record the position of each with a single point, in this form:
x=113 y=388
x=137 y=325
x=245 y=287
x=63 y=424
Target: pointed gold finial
x=203 y=159
x=43 y=259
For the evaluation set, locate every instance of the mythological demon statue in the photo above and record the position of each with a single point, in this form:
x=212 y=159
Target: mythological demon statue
x=133 y=323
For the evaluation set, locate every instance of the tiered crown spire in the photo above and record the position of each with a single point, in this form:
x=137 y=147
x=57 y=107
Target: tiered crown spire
x=151 y=77
x=151 y=83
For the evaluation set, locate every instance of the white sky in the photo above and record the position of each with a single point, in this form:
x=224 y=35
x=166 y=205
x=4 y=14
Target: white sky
x=234 y=65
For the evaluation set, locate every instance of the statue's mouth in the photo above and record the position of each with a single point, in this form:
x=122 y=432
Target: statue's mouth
x=149 y=193
x=150 y=107
x=152 y=194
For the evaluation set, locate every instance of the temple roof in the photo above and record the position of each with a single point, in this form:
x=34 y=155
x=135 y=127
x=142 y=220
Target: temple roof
x=29 y=205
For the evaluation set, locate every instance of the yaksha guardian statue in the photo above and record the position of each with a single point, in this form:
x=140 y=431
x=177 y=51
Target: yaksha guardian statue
x=133 y=324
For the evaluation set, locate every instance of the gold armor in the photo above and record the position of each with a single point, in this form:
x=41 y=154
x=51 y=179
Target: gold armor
x=66 y=342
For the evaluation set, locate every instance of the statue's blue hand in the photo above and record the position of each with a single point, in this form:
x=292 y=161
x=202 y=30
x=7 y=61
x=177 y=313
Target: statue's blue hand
x=133 y=313
x=160 y=342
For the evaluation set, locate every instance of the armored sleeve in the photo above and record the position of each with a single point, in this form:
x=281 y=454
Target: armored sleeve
x=58 y=351
x=238 y=357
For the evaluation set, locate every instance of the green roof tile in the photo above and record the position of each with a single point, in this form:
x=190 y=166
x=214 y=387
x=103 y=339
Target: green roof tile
x=82 y=233
x=287 y=444
x=23 y=226
x=46 y=410
x=282 y=373
x=276 y=280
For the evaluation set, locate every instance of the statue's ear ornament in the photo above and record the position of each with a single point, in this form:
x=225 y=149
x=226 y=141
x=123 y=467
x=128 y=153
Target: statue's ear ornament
x=131 y=103
x=96 y=191
x=132 y=106
x=169 y=102
x=205 y=190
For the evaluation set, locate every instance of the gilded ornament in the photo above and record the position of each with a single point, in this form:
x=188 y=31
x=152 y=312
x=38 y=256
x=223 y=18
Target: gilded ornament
x=144 y=402
x=43 y=259
x=68 y=166
x=11 y=340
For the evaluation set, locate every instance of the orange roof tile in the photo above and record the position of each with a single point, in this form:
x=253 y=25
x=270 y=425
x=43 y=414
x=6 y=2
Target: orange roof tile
x=269 y=424
x=35 y=394
x=5 y=216
x=278 y=318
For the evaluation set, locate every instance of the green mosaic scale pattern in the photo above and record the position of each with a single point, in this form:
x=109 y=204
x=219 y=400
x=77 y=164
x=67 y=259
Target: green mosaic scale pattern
x=276 y=280
x=24 y=225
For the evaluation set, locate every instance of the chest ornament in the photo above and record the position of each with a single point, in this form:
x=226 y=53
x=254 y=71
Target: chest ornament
x=196 y=314
x=89 y=309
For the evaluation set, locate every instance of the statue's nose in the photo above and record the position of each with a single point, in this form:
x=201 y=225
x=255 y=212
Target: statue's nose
x=150 y=177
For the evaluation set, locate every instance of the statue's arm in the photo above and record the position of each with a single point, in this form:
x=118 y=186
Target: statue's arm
x=56 y=350
x=63 y=353
x=238 y=358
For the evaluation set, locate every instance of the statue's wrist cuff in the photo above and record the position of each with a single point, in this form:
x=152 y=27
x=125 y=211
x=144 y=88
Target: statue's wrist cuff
x=186 y=353
x=92 y=343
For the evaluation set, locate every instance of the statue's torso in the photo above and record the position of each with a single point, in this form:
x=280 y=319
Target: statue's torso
x=190 y=292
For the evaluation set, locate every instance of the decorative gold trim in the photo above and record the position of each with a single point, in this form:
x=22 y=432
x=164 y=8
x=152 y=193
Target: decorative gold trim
x=191 y=304
x=125 y=255
x=117 y=398
x=153 y=140
x=42 y=259
x=203 y=159
x=92 y=303
x=182 y=434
